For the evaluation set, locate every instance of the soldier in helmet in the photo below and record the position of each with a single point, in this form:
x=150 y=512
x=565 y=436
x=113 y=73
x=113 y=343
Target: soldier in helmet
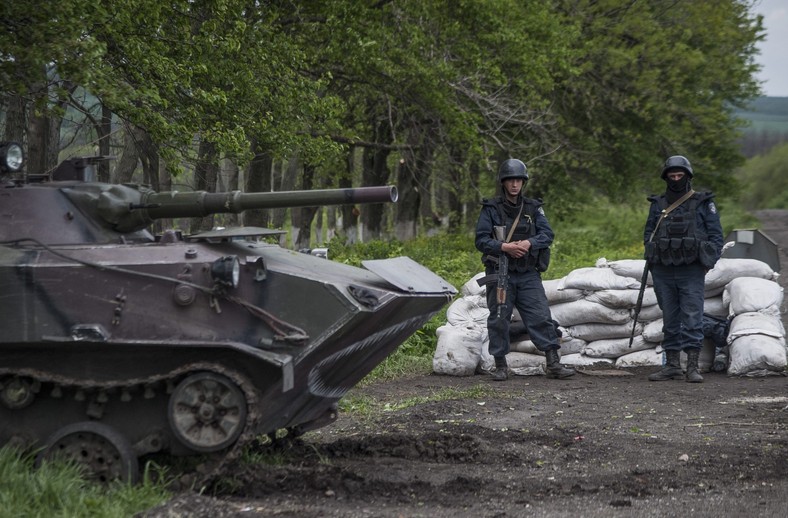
x=683 y=240
x=528 y=237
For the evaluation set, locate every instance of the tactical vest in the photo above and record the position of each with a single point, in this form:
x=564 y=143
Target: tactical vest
x=526 y=228
x=678 y=241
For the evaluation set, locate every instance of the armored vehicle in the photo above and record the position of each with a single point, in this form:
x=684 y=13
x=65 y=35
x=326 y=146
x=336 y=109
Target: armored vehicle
x=117 y=343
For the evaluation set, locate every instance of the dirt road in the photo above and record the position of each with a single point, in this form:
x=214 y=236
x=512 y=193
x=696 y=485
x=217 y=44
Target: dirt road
x=590 y=446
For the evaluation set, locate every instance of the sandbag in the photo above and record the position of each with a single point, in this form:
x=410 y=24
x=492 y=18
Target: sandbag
x=618 y=299
x=556 y=294
x=728 y=269
x=715 y=306
x=648 y=313
x=458 y=350
x=590 y=332
x=644 y=358
x=472 y=287
x=580 y=360
x=523 y=364
x=757 y=355
x=749 y=294
x=626 y=268
x=755 y=324
x=584 y=311
x=652 y=332
x=615 y=347
x=468 y=310
x=594 y=279
x=571 y=345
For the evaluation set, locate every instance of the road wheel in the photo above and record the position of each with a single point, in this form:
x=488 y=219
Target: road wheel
x=207 y=412
x=104 y=452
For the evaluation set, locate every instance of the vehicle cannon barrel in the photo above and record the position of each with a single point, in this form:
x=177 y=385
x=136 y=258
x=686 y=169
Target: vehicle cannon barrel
x=128 y=208
x=198 y=204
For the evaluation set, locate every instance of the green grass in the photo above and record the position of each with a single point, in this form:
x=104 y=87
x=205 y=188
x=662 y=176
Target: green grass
x=58 y=490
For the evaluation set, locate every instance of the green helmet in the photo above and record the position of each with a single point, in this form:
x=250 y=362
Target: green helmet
x=512 y=168
x=677 y=162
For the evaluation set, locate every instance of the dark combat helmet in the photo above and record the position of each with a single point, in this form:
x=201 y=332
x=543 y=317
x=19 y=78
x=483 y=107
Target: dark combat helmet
x=677 y=162
x=512 y=168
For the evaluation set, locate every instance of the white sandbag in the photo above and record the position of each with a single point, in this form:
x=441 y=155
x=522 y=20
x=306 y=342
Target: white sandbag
x=524 y=346
x=728 y=269
x=618 y=299
x=523 y=364
x=644 y=358
x=757 y=355
x=584 y=311
x=594 y=279
x=486 y=361
x=749 y=294
x=715 y=306
x=571 y=345
x=556 y=294
x=652 y=332
x=580 y=360
x=626 y=268
x=468 y=310
x=755 y=324
x=568 y=344
x=458 y=350
x=648 y=313
x=472 y=287
x=709 y=293
x=615 y=347
x=590 y=332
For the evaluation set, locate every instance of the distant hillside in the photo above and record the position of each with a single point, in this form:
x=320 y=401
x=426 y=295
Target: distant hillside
x=767 y=114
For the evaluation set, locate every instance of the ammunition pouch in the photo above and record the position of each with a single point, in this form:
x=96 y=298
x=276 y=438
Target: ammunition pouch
x=707 y=255
x=542 y=260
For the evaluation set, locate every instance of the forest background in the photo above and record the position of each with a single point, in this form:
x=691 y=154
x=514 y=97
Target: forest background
x=428 y=96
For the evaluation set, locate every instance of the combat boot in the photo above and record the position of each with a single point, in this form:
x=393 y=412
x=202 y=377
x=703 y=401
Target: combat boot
x=554 y=368
x=693 y=376
x=672 y=368
x=501 y=372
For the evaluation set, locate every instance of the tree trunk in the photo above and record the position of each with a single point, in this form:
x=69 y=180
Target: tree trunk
x=15 y=124
x=258 y=179
x=350 y=213
x=287 y=183
x=206 y=172
x=129 y=157
x=104 y=131
x=375 y=172
x=410 y=186
x=303 y=217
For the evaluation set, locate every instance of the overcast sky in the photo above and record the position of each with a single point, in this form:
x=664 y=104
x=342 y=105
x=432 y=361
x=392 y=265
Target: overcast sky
x=774 y=50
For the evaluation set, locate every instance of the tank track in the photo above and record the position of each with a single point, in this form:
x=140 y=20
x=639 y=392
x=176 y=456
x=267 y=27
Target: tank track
x=100 y=391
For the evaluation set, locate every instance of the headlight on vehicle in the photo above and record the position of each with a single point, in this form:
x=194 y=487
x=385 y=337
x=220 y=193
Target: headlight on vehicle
x=11 y=157
x=226 y=270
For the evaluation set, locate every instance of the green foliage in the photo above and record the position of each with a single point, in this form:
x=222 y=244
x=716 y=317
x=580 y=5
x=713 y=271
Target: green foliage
x=765 y=180
x=58 y=490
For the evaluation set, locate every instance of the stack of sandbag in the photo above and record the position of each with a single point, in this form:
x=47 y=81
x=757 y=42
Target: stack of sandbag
x=594 y=310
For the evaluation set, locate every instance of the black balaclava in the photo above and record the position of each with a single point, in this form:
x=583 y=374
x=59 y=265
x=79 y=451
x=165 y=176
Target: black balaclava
x=677 y=188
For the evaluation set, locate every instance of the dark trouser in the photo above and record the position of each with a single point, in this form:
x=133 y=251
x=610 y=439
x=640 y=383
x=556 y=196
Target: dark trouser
x=679 y=292
x=526 y=293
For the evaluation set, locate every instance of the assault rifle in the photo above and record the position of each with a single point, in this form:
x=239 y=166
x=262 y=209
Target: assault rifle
x=503 y=270
x=502 y=277
x=639 y=303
